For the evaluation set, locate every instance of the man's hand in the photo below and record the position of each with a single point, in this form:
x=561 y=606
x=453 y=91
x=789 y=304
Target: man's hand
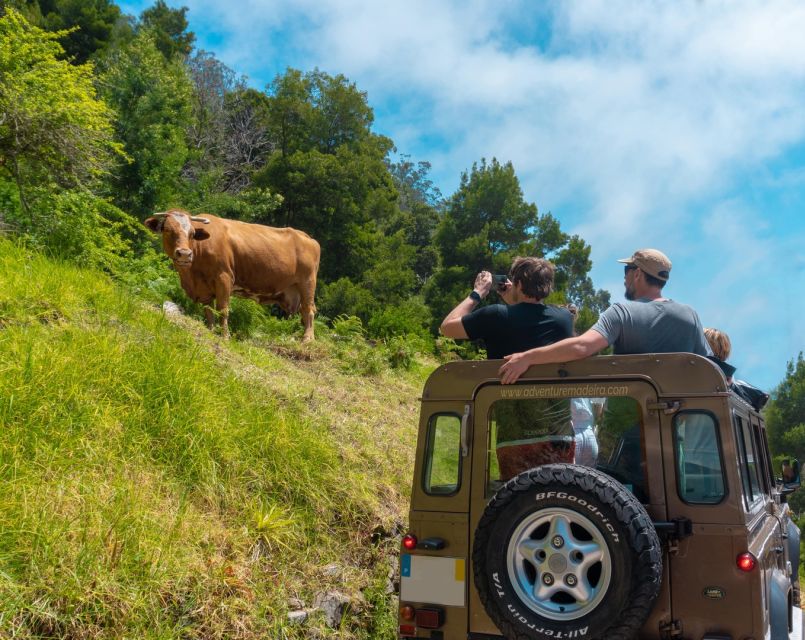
x=516 y=365
x=483 y=283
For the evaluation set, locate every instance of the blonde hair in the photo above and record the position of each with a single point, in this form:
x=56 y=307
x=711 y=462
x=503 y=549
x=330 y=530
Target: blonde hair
x=719 y=342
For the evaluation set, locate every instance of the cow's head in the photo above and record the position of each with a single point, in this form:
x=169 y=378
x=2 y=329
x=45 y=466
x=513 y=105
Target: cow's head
x=177 y=231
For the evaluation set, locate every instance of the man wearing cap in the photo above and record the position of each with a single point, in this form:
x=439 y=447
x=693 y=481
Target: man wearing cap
x=646 y=323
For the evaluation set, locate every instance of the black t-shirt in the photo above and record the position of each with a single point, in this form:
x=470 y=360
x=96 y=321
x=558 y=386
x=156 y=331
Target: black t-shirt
x=507 y=329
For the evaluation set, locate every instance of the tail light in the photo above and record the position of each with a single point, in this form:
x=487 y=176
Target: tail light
x=409 y=541
x=746 y=562
x=429 y=618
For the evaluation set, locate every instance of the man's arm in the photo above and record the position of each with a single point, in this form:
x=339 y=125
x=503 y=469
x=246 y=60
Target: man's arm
x=451 y=326
x=567 y=350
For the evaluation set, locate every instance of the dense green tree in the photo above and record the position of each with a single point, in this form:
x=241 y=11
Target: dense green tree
x=785 y=413
x=92 y=23
x=486 y=223
x=53 y=128
x=168 y=27
x=329 y=168
x=88 y=26
x=152 y=96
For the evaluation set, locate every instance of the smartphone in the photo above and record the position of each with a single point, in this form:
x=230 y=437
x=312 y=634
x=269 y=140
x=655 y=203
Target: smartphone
x=500 y=280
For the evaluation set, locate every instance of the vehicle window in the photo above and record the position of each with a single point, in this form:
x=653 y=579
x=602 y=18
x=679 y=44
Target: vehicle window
x=699 y=469
x=747 y=460
x=761 y=445
x=604 y=433
x=443 y=455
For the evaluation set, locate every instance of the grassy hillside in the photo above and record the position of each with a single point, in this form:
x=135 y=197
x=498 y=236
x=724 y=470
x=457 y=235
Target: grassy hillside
x=156 y=482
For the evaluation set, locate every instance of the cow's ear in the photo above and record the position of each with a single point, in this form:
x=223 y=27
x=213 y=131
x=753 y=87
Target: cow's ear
x=155 y=224
x=200 y=234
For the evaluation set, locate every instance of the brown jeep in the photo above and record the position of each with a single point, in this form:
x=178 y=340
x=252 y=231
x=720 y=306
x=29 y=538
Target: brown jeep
x=614 y=497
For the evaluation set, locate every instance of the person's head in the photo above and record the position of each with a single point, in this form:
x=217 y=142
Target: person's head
x=719 y=342
x=645 y=272
x=533 y=275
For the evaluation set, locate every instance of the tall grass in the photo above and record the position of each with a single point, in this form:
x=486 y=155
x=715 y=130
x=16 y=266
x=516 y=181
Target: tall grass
x=155 y=482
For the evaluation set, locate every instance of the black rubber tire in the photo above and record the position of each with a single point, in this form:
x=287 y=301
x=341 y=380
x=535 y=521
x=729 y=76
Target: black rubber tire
x=633 y=545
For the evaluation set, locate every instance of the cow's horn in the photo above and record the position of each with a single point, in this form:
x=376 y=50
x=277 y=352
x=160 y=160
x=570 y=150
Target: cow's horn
x=199 y=219
x=164 y=214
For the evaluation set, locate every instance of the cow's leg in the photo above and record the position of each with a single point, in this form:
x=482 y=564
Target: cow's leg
x=209 y=314
x=308 y=291
x=223 y=291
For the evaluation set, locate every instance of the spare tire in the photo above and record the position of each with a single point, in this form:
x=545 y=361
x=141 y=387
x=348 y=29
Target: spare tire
x=564 y=551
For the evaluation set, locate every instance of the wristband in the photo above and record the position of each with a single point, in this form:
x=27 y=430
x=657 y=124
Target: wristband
x=474 y=295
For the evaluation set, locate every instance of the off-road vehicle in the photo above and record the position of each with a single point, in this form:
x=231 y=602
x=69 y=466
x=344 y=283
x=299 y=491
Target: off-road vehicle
x=662 y=518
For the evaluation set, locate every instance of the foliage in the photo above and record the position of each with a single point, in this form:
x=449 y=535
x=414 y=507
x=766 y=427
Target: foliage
x=91 y=24
x=329 y=168
x=785 y=420
x=487 y=223
x=168 y=27
x=86 y=229
x=407 y=318
x=347 y=326
x=152 y=98
x=52 y=127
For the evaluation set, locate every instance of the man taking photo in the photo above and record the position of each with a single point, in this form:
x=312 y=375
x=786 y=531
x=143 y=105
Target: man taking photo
x=524 y=322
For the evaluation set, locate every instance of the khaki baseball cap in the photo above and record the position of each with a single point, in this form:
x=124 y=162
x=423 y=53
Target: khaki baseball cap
x=653 y=262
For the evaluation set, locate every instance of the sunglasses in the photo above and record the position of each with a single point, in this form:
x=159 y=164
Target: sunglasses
x=629 y=267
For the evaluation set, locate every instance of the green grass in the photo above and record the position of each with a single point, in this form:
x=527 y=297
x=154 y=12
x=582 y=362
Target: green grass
x=157 y=482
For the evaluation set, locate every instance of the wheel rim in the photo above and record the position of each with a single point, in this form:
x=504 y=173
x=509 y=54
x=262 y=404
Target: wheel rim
x=559 y=563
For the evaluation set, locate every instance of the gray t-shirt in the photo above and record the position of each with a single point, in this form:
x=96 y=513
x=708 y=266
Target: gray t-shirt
x=653 y=326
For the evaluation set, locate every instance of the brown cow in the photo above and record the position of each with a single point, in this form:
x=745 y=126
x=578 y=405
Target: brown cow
x=217 y=258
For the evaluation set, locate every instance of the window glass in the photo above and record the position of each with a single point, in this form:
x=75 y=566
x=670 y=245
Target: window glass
x=761 y=446
x=603 y=433
x=700 y=475
x=747 y=458
x=443 y=455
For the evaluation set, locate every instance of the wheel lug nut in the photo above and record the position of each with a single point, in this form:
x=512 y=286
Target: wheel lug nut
x=558 y=542
x=547 y=579
x=571 y=580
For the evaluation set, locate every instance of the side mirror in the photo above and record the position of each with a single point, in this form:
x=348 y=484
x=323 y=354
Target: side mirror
x=790 y=476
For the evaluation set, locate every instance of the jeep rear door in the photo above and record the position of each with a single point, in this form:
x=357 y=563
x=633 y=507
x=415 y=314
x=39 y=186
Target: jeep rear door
x=629 y=449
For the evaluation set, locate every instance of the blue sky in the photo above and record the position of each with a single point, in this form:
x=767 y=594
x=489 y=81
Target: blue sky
x=675 y=125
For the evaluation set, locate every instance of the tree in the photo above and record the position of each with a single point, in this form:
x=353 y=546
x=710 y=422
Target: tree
x=212 y=82
x=419 y=202
x=247 y=143
x=486 y=223
x=785 y=413
x=785 y=421
x=53 y=128
x=329 y=168
x=92 y=24
x=168 y=27
x=152 y=96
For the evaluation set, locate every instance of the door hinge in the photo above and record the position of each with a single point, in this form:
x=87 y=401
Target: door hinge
x=671 y=629
x=674 y=531
x=668 y=408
